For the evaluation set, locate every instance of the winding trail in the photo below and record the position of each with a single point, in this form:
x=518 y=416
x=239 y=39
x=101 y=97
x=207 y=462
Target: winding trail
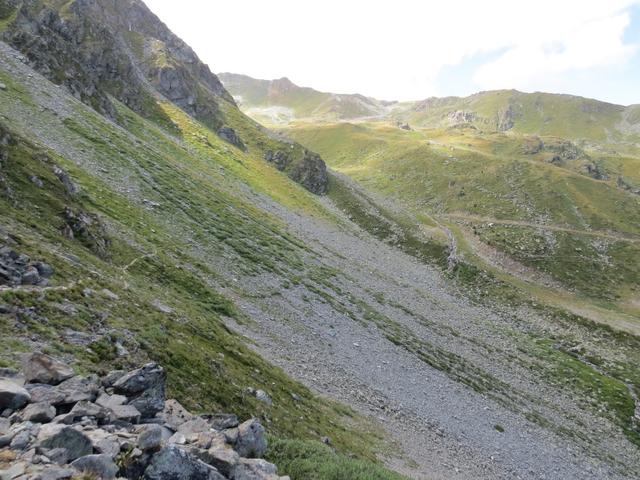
x=521 y=223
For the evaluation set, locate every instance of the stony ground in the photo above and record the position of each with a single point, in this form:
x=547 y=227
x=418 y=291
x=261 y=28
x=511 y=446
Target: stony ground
x=444 y=428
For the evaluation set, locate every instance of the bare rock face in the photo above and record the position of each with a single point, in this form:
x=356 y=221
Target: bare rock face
x=41 y=368
x=90 y=50
x=307 y=168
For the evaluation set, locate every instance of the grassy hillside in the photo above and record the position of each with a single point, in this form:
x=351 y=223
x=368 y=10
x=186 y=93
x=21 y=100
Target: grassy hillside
x=564 y=116
x=280 y=101
x=546 y=211
x=165 y=215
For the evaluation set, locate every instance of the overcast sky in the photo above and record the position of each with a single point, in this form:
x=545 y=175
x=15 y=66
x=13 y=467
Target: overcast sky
x=413 y=49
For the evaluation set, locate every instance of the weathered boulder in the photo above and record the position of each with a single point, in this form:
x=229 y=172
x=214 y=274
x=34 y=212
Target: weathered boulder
x=84 y=409
x=12 y=395
x=221 y=421
x=252 y=441
x=76 y=443
x=41 y=368
x=224 y=459
x=174 y=414
x=146 y=387
x=109 y=401
x=102 y=466
x=150 y=438
x=172 y=463
x=126 y=413
x=39 y=412
x=254 y=469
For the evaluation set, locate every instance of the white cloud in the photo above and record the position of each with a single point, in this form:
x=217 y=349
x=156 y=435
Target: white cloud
x=397 y=49
x=539 y=62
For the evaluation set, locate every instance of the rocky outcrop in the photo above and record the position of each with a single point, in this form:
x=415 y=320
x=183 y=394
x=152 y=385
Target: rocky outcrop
x=65 y=428
x=119 y=48
x=86 y=228
x=303 y=166
x=229 y=135
x=461 y=116
x=506 y=119
x=18 y=269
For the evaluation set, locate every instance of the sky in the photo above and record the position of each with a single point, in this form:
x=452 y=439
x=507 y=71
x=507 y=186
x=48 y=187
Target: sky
x=414 y=49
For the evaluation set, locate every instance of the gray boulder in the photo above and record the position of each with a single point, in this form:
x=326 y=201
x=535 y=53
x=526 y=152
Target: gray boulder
x=174 y=414
x=102 y=466
x=221 y=421
x=41 y=368
x=254 y=469
x=223 y=458
x=126 y=413
x=12 y=395
x=83 y=409
x=147 y=387
x=150 y=438
x=172 y=463
x=39 y=412
x=77 y=444
x=252 y=441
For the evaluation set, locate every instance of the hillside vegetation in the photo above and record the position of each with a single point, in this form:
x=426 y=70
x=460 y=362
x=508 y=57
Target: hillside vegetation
x=144 y=216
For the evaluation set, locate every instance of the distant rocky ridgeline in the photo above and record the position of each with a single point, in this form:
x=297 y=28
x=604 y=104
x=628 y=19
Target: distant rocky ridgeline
x=55 y=425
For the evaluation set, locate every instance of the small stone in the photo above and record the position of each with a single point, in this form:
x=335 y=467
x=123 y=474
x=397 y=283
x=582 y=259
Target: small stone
x=3 y=86
x=151 y=438
x=12 y=395
x=83 y=409
x=39 y=412
x=263 y=397
x=109 y=294
x=177 y=439
x=41 y=368
x=102 y=466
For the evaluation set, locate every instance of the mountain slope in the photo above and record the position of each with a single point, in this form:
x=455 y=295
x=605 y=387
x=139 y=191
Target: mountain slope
x=279 y=101
x=565 y=116
x=169 y=243
x=120 y=49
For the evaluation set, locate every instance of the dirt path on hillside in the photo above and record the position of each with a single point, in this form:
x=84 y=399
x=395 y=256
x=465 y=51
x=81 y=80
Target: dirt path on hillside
x=556 y=228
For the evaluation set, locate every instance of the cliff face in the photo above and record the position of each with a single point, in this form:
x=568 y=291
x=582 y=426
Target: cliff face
x=104 y=49
x=119 y=48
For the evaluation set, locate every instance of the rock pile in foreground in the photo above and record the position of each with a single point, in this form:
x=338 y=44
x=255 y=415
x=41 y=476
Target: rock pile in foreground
x=55 y=425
